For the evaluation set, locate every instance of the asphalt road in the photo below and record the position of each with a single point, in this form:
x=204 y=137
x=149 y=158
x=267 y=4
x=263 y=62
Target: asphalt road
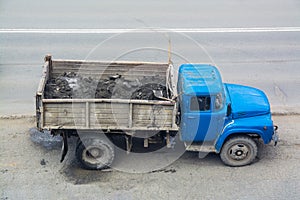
x=267 y=60
x=135 y=13
x=31 y=171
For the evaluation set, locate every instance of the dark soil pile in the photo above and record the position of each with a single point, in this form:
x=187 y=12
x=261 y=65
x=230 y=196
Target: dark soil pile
x=58 y=89
x=70 y=85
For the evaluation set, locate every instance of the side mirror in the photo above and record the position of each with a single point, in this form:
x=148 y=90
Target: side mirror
x=229 y=110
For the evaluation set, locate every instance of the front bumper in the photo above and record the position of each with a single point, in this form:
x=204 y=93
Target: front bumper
x=275 y=135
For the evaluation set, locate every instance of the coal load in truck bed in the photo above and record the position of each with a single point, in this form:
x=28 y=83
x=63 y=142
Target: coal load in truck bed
x=71 y=85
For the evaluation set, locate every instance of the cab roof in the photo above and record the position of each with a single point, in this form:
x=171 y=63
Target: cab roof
x=199 y=79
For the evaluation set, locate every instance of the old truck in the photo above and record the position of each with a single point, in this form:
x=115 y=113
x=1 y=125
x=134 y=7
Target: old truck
x=206 y=114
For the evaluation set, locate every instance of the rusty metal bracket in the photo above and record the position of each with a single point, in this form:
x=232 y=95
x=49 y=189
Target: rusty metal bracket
x=128 y=143
x=168 y=140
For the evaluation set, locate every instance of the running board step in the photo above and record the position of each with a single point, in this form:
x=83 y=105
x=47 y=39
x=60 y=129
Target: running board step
x=200 y=147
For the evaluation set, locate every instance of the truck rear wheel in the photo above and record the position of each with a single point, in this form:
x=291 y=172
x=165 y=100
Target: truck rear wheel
x=239 y=151
x=95 y=153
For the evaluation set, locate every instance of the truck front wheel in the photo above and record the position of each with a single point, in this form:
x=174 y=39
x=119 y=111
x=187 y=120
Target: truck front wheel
x=95 y=153
x=239 y=151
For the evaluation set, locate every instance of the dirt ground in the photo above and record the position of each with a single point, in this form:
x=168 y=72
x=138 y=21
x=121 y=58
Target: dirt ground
x=30 y=171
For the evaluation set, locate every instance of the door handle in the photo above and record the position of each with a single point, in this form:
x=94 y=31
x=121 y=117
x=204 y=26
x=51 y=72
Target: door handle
x=190 y=117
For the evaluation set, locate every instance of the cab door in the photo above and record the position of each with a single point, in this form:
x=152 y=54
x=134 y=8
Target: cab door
x=202 y=118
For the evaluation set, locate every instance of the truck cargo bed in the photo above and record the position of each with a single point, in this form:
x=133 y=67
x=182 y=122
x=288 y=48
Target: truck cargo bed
x=104 y=114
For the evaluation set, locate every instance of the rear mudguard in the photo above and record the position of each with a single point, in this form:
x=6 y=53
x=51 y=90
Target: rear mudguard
x=65 y=147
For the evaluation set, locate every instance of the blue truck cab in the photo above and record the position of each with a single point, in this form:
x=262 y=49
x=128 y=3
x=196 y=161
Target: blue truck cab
x=220 y=117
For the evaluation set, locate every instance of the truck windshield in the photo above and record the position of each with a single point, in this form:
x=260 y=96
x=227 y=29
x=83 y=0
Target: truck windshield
x=200 y=103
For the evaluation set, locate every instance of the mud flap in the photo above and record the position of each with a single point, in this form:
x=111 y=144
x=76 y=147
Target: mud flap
x=275 y=135
x=65 y=148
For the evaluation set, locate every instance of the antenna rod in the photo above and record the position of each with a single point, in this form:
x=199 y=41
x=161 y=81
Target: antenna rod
x=169 y=51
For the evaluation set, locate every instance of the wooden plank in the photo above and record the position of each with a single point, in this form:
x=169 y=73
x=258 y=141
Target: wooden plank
x=110 y=64
x=109 y=112
x=153 y=106
x=65 y=111
x=64 y=114
x=148 y=109
x=104 y=74
x=153 y=117
x=118 y=123
x=64 y=104
x=97 y=128
x=109 y=105
x=151 y=125
x=57 y=62
x=71 y=124
x=107 y=122
x=112 y=69
x=101 y=61
x=44 y=78
x=49 y=115
x=64 y=122
x=62 y=119
x=101 y=74
x=115 y=69
x=112 y=101
x=98 y=75
x=111 y=116
x=151 y=112
x=68 y=106
x=110 y=121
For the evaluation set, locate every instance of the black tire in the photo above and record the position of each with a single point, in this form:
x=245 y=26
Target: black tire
x=239 y=151
x=95 y=153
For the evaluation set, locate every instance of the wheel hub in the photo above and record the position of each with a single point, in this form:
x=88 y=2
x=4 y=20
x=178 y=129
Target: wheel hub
x=95 y=152
x=238 y=152
x=92 y=155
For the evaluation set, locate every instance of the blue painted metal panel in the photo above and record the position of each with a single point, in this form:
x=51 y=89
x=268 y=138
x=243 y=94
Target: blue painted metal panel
x=250 y=107
x=254 y=125
x=247 y=101
x=197 y=79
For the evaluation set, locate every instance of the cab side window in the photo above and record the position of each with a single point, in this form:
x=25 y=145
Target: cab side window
x=200 y=103
x=219 y=104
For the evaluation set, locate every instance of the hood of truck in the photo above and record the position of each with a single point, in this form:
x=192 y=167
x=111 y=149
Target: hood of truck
x=247 y=101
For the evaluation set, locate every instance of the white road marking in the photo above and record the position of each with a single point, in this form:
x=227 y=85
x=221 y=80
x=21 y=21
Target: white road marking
x=148 y=30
